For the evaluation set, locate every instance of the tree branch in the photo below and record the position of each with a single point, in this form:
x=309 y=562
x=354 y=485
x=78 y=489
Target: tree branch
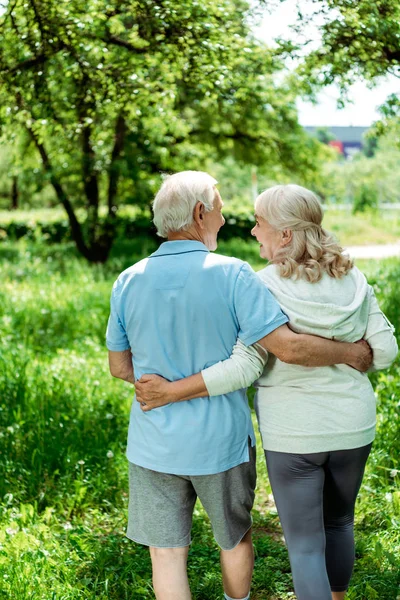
x=39 y=20
x=393 y=56
x=60 y=193
x=28 y=63
x=116 y=41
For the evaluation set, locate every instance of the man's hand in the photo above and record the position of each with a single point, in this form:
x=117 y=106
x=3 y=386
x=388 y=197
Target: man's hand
x=314 y=351
x=153 y=391
x=362 y=356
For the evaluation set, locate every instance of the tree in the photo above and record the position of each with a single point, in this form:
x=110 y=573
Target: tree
x=113 y=92
x=359 y=40
x=324 y=135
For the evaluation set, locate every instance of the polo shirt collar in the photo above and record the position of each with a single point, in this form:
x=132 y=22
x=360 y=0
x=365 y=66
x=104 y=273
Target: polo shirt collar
x=179 y=247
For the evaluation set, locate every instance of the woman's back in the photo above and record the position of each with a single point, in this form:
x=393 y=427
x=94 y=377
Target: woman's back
x=304 y=409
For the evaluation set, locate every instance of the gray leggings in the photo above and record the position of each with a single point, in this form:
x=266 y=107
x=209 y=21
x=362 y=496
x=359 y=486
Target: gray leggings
x=315 y=496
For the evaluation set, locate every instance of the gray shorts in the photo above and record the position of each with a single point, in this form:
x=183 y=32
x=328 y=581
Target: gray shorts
x=161 y=505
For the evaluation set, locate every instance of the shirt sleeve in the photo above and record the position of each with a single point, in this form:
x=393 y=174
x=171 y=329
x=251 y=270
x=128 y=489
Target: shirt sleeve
x=244 y=366
x=257 y=311
x=380 y=336
x=116 y=338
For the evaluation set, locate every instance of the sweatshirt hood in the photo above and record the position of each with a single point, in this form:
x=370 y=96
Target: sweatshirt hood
x=332 y=308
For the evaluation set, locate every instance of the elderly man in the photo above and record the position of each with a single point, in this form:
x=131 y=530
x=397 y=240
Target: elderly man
x=174 y=313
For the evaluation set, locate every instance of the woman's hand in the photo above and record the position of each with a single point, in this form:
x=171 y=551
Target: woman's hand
x=153 y=391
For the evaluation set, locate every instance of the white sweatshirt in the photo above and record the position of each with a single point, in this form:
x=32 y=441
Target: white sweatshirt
x=305 y=409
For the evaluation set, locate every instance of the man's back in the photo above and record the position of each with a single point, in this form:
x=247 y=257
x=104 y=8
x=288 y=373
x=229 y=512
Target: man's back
x=182 y=310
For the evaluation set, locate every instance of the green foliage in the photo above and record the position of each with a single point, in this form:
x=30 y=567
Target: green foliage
x=389 y=124
x=53 y=228
x=22 y=180
x=358 y=40
x=324 y=135
x=364 y=180
x=365 y=199
x=112 y=93
x=370 y=144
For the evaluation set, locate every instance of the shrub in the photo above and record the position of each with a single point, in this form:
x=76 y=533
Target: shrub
x=130 y=224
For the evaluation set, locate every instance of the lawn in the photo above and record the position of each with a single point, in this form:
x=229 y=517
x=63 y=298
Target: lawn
x=63 y=425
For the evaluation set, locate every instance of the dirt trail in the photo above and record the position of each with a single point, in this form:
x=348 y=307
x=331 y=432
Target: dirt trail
x=382 y=251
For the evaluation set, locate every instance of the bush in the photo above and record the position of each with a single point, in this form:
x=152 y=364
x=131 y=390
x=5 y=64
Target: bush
x=365 y=199
x=54 y=229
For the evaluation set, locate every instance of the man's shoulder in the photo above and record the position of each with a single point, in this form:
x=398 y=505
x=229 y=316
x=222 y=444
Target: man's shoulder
x=130 y=272
x=226 y=262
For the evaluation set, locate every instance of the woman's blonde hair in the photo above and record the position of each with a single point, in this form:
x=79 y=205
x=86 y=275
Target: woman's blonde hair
x=312 y=250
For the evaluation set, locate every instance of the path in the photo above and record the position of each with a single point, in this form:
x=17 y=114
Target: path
x=382 y=251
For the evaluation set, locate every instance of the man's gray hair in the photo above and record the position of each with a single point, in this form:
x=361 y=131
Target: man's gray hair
x=174 y=203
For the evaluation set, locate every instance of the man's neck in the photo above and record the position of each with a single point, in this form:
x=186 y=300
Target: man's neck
x=192 y=236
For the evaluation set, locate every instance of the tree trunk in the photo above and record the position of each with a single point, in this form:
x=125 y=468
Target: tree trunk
x=14 y=193
x=97 y=250
x=114 y=171
x=90 y=183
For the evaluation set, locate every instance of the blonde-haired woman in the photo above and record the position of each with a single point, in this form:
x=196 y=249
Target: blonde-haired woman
x=317 y=424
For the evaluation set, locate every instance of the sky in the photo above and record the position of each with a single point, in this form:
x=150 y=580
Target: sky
x=363 y=109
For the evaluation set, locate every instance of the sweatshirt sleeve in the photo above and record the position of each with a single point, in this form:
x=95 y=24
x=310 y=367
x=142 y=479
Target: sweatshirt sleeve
x=244 y=366
x=380 y=336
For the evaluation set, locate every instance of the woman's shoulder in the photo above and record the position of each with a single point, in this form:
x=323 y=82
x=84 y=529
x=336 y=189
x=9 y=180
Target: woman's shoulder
x=328 y=290
x=356 y=274
x=356 y=279
x=269 y=272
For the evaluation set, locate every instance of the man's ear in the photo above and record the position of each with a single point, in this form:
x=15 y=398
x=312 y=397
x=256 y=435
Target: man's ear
x=287 y=236
x=198 y=214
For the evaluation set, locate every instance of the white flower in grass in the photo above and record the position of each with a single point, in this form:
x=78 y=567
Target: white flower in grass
x=11 y=531
x=67 y=526
x=110 y=454
x=109 y=416
x=81 y=462
x=388 y=496
x=393 y=472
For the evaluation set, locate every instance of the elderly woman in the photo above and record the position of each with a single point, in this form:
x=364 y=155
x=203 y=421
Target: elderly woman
x=317 y=424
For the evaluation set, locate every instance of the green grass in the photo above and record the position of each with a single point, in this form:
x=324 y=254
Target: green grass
x=63 y=426
x=362 y=229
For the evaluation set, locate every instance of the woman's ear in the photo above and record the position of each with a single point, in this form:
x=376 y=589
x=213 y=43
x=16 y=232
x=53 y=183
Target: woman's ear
x=287 y=236
x=198 y=214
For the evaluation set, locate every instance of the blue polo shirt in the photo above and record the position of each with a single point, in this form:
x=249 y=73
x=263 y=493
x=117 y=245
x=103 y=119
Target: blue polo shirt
x=181 y=310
